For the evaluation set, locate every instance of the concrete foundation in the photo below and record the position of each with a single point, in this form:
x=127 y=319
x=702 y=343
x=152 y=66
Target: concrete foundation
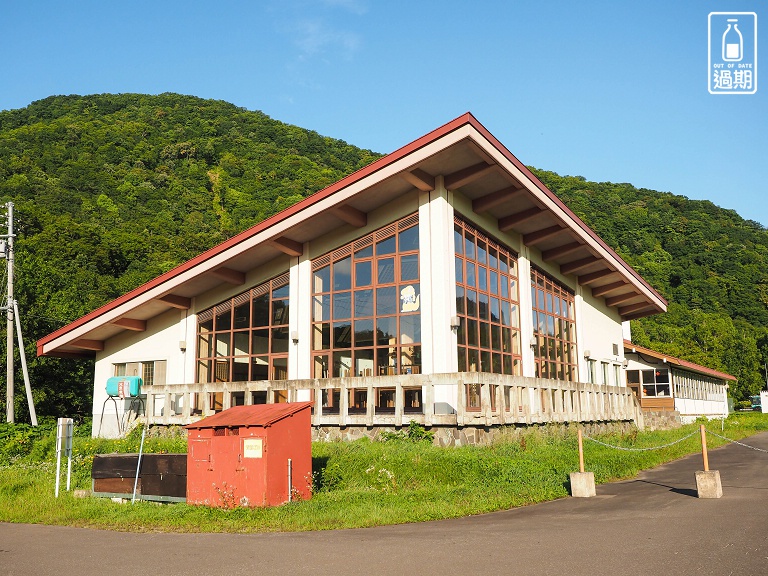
x=471 y=435
x=708 y=484
x=583 y=484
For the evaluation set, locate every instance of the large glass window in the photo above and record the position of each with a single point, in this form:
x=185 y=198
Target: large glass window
x=245 y=338
x=554 y=328
x=487 y=304
x=366 y=305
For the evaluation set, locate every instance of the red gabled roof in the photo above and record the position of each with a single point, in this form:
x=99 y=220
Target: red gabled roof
x=471 y=137
x=634 y=348
x=257 y=415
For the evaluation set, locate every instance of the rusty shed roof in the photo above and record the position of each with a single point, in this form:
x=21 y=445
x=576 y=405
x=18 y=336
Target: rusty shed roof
x=262 y=415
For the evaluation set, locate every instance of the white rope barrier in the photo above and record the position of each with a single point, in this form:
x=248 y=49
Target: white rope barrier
x=737 y=442
x=641 y=449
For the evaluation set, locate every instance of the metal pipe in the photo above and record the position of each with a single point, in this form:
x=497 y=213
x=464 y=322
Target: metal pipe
x=58 y=454
x=138 y=464
x=290 y=480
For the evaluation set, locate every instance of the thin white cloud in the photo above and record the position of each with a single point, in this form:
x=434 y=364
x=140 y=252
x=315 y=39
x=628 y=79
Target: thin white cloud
x=316 y=37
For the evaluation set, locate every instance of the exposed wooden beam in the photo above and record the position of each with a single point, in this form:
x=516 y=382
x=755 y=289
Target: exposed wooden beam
x=509 y=222
x=595 y=276
x=85 y=344
x=131 y=324
x=554 y=253
x=75 y=355
x=419 y=179
x=637 y=315
x=571 y=267
x=351 y=216
x=288 y=246
x=614 y=300
x=465 y=176
x=179 y=302
x=625 y=310
x=485 y=203
x=230 y=276
x=540 y=235
x=603 y=290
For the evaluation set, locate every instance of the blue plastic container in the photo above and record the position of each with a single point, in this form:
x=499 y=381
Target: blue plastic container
x=124 y=386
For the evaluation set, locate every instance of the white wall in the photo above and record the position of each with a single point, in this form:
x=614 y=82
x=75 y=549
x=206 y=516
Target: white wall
x=601 y=334
x=160 y=341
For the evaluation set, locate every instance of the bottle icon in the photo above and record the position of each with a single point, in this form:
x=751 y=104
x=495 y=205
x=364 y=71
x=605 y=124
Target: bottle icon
x=733 y=42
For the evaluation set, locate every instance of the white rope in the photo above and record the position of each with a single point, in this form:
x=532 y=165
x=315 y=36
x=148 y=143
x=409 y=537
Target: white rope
x=736 y=442
x=641 y=449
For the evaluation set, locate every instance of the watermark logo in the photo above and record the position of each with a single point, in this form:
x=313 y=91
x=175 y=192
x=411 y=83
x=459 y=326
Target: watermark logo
x=732 y=53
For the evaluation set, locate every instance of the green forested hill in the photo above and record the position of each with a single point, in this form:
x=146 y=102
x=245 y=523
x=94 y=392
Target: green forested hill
x=111 y=190
x=710 y=263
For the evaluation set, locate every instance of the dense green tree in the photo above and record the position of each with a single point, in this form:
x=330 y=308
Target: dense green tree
x=112 y=190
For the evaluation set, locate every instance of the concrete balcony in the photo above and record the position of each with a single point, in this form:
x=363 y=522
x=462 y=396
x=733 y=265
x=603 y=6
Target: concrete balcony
x=465 y=399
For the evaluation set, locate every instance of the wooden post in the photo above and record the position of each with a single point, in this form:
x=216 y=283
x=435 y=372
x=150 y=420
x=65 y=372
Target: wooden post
x=581 y=453
x=704 y=448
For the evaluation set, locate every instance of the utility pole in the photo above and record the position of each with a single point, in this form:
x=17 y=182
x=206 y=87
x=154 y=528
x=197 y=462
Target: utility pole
x=9 y=319
x=12 y=314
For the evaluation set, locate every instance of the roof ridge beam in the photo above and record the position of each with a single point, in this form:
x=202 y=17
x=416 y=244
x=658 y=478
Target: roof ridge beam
x=86 y=344
x=180 y=302
x=288 y=246
x=351 y=215
x=603 y=290
x=420 y=179
x=466 y=175
x=229 y=275
x=540 y=235
x=508 y=222
x=614 y=300
x=485 y=203
x=594 y=276
x=624 y=310
x=563 y=250
x=131 y=324
x=571 y=267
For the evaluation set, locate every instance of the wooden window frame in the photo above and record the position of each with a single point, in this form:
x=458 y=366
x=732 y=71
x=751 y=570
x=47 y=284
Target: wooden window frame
x=349 y=287
x=332 y=297
x=555 y=349
x=479 y=274
x=222 y=367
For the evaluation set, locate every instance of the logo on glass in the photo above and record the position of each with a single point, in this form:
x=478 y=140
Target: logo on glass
x=732 y=53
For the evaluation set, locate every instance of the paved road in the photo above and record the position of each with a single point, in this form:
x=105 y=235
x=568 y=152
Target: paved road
x=651 y=525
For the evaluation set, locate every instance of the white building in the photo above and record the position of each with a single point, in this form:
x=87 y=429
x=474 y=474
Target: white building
x=664 y=383
x=446 y=262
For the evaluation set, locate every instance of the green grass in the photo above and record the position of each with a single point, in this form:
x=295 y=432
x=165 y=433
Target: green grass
x=356 y=484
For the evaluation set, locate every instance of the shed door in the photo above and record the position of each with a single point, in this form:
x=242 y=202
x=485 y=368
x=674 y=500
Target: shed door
x=254 y=452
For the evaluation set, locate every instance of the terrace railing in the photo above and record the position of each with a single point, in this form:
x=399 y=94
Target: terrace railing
x=479 y=399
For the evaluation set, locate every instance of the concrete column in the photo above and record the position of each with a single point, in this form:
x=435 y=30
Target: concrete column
x=438 y=290
x=526 y=313
x=300 y=317
x=438 y=282
x=582 y=362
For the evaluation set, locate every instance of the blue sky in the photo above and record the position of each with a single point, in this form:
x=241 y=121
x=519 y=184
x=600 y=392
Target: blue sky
x=612 y=91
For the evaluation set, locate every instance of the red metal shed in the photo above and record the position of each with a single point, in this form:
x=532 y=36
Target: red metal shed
x=258 y=455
